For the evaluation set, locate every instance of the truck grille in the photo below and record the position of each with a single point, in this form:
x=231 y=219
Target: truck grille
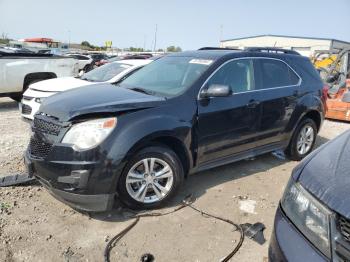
x=46 y=127
x=26 y=110
x=344 y=228
x=38 y=148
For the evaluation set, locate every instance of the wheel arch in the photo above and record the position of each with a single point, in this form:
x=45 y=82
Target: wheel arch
x=169 y=141
x=37 y=76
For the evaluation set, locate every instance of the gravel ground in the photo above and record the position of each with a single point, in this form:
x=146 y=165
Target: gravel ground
x=36 y=227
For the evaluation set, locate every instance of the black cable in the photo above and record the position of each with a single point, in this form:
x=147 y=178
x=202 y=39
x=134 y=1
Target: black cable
x=187 y=202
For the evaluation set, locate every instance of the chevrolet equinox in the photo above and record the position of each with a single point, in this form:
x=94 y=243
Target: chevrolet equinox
x=137 y=140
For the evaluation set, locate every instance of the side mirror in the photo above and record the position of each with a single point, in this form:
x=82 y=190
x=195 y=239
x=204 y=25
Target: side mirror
x=216 y=91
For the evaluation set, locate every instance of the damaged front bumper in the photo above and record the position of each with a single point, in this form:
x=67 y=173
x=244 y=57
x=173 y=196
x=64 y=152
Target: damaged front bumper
x=73 y=182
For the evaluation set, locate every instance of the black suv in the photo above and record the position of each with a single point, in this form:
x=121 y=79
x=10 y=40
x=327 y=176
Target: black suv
x=186 y=112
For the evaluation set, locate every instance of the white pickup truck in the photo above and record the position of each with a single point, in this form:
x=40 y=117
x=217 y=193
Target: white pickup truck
x=19 y=70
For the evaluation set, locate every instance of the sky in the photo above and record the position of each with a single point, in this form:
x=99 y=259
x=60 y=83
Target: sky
x=185 y=23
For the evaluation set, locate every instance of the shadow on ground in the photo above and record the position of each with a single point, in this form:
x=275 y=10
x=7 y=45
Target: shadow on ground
x=8 y=106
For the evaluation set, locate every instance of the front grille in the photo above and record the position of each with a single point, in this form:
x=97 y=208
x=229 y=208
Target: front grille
x=46 y=127
x=26 y=110
x=38 y=148
x=344 y=228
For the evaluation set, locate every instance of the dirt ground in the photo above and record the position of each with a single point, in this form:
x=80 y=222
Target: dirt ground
x=36 y=227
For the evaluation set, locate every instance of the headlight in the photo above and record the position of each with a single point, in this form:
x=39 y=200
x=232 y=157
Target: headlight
x=39 y=100
x=308 y=215
x=91 y=133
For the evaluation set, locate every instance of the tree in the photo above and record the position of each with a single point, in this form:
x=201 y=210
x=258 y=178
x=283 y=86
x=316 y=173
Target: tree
x=173 y=49
x=178 y=49
x=85 y=43
x=136 y=49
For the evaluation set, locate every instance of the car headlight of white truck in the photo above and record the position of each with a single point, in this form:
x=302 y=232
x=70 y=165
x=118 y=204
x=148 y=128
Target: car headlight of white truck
x=308 y=215
x=89 y=134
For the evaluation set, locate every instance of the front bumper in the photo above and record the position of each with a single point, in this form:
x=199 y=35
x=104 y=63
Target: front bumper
x=288 y=244
x=29 y=108
x=82 y=185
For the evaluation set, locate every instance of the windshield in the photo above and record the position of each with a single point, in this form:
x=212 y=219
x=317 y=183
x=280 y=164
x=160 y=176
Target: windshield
x=168 y=76
x=105 y=72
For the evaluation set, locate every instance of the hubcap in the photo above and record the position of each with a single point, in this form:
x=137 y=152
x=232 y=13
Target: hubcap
x=305 y=139
x=149 y=180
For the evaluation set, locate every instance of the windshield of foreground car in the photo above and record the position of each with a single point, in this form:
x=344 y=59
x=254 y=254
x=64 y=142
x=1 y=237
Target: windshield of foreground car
x=168 y=76
x=105 y=72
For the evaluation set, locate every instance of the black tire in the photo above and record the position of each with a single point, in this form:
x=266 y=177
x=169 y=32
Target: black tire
x=292 y=151
x=160 y=152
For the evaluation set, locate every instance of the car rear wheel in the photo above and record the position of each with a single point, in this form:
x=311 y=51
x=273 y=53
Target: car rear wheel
x=303 y=140
x=151 y=178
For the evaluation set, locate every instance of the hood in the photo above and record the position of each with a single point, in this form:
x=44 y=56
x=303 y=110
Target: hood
x=59 y=84
x=102 y=98
x=327 y=175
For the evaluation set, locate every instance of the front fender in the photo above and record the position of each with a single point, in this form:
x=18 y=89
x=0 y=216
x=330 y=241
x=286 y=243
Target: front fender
x=133 y=133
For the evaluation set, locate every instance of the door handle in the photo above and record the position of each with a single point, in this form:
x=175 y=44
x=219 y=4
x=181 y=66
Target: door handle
x=253 y=103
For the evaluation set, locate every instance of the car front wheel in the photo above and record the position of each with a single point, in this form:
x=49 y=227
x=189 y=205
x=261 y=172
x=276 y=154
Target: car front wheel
x=151 y=178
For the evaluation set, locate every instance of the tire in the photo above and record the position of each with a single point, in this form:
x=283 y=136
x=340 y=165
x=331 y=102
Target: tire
x=170 y=183
x=295 y=150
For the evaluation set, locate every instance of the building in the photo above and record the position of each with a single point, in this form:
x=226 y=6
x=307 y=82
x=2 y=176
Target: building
x=304 y=45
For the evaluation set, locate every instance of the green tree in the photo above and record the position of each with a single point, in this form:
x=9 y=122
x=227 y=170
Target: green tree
x=85 y=43
x=173 y=49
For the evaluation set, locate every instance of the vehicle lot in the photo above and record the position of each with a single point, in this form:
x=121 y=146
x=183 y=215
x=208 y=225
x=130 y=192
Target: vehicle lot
x=34 y=226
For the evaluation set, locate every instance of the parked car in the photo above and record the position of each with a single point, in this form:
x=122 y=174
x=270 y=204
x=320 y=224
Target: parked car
x=312 y=222
x=99 y=59
x=183 y=113
x=110 y=73
x=85 y=62
x=20 y=69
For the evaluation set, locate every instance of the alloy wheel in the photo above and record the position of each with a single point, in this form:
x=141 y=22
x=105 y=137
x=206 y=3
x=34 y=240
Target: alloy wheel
x=305 y=139
x=149 y=180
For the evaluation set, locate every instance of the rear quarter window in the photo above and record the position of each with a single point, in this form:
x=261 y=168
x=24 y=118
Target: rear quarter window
x=276 y=73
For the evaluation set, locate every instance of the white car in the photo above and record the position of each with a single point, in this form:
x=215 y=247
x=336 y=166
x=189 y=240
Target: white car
x=109 y=73
x=85 y=62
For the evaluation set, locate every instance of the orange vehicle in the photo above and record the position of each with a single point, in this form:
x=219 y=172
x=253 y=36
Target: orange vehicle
x=338 y=105
x=335 y=71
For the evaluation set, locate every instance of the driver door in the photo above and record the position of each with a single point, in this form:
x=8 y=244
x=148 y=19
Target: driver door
x=228 y=125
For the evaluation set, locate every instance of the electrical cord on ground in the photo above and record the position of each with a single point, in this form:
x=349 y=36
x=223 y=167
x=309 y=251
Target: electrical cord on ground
x=187 y=202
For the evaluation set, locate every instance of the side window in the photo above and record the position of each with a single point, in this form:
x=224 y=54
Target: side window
x=80 y=57
x=237 y=74
x=277 y=74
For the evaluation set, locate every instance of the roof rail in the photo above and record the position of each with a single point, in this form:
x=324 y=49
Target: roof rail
x=271 y=50
x=217 y=48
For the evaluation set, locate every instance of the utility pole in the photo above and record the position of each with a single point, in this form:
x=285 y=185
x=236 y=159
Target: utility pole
x=221 y=30
x=68 y=39
x=155 y=39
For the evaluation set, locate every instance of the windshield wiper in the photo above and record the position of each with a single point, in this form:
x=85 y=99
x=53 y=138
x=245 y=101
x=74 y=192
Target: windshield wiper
x=141 y=90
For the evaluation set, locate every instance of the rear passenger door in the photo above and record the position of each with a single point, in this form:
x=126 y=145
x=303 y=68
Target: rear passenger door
x=278 y=86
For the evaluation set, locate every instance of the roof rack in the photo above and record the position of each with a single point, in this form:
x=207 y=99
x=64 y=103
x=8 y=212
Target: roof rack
x=271 y=50
x=217 y=48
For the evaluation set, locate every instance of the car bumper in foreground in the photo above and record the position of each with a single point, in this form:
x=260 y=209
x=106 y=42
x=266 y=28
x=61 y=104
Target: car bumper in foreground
x=288 y=244
x=71 y=181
